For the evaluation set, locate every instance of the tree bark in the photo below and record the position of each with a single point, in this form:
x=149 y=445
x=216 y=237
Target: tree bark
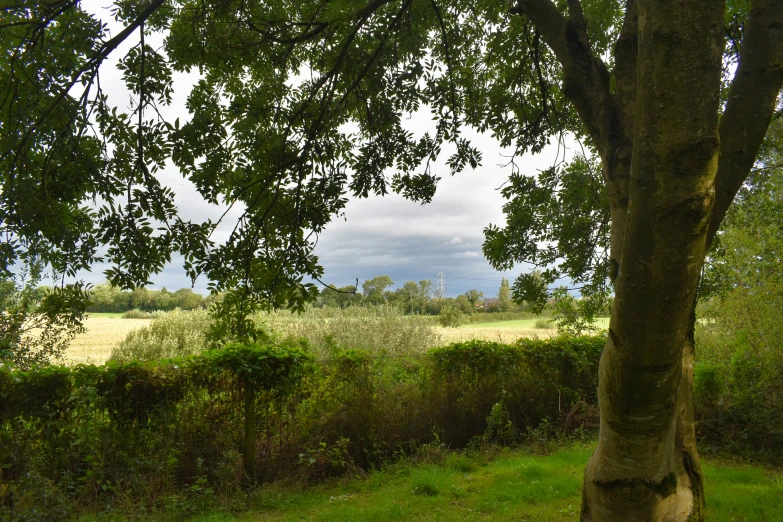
x=645 y=466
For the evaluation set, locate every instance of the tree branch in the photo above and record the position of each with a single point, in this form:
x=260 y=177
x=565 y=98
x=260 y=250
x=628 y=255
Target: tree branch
x=91 y=64
x=585 y=77
x=625 y=57
x=751 y=103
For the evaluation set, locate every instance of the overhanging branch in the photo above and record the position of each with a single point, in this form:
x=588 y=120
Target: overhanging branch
x=751 y=103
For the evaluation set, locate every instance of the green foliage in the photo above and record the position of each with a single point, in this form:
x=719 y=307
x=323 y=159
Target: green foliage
x=504 y=296
x=566 y=209
x=36 y=323
x=170 y=432
x=138 y=314
x=268 y=368
x=392 y=332
x=577 y=316
x=173 y=334
x=38 y=500
x=739 y=331
x=451 y=317
x=544 y=324
x=494 y=317
x=474 y=296
x=108 y=298
x=373 y=289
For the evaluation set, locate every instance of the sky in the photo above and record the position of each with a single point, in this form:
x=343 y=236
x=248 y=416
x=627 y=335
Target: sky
x=379 y=235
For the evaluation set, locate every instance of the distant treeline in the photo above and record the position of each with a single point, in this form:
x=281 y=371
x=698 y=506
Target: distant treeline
x=107 y=298
x=420 y=298
x=412 y=298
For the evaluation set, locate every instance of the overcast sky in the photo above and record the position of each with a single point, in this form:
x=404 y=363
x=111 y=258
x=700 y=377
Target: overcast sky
x=379 y=236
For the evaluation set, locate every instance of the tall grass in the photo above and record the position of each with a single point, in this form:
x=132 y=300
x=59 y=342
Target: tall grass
x=377 y=330
x=173 y=334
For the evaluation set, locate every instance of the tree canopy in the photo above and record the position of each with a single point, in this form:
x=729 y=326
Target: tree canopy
x=295 y=110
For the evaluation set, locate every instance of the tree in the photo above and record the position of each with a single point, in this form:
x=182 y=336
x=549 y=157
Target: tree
x=474 y=296
x=673 y=98
x=424 y=295
x=373 y=289
x=463 y=304
x=341 y=297
x=504 y=296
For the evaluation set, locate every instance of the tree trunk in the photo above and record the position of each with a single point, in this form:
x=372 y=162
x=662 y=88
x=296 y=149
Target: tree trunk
x=645 y=466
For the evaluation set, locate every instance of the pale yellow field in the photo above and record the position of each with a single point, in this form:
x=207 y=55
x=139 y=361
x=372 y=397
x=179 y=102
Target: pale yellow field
x=103 y=333
x=486 y=332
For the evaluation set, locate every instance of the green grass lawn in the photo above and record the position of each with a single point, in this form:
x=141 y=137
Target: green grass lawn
x=513 y=486
x=603 y=322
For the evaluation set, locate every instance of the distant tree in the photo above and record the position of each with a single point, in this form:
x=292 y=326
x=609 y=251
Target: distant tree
x=164 y=300
x=410 y=296
x=103 y=298
x=373 y=289
x=463 y=304
x=474 y=296
x=187 y=299
x=504 y=296
x=425 y=294
x=342 y=297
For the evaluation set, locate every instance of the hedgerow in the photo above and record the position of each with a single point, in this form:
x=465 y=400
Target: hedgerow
x=135 y=435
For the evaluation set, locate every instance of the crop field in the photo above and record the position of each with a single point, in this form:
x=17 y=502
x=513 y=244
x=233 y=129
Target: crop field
x=502 y=331
x=104 y=331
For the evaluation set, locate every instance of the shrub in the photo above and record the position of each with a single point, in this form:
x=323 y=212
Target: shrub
x=451 y=317
x=138 y=314
x=376 y=329
x=545 y=324
x=739 y=364
x=173 y=334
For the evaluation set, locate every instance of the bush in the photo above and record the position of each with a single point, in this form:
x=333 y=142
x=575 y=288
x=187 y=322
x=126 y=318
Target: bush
x=138 y=314
x=376 y=329
x=737 y=381
x=545 y=324
x=139 y=435
x=452 y=317
x=173 y=334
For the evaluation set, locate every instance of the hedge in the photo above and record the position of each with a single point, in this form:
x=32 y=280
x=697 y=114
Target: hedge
x=139 y=433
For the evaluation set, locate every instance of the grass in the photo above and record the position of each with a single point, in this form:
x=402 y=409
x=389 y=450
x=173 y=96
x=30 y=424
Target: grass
x=514 y=486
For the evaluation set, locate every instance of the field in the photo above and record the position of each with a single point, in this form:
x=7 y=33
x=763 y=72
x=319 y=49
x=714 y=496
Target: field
x=502 y=331
x=104 y=331
x=514 y=486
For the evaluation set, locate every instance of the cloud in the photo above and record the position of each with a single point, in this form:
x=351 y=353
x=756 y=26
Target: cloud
x=455 y=241
x=468 y=254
